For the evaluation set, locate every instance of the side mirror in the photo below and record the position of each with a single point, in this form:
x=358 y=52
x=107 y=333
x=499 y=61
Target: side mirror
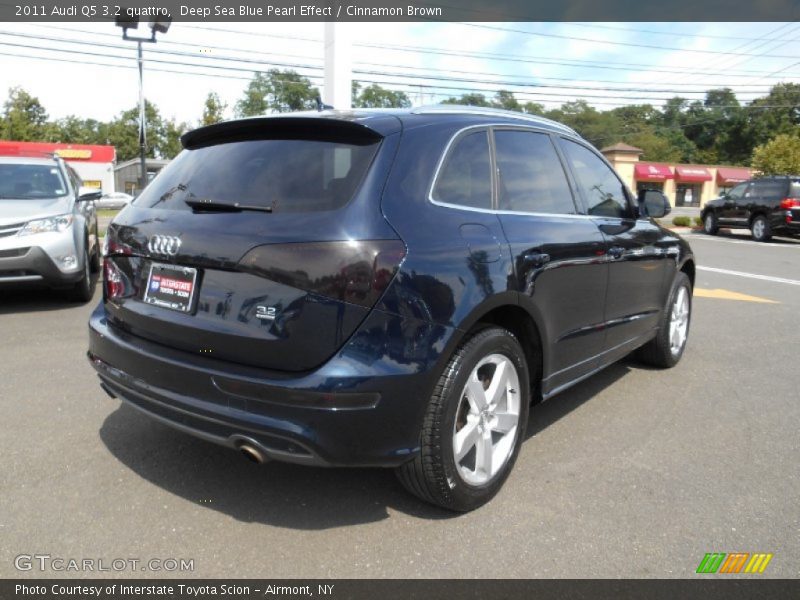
x=86 y=194
x=653 y=203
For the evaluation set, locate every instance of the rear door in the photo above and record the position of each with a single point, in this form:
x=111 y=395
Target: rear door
x=639 y=255
x=558 y=254
x=282 y=280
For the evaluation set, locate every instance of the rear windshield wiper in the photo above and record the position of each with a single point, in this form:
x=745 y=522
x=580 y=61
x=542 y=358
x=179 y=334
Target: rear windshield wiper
x=211 y=206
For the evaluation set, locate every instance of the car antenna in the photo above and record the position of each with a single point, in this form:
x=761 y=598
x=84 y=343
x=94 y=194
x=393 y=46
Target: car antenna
x=321 y=106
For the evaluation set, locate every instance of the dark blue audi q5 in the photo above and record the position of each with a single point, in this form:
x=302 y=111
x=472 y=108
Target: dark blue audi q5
x=383 y=288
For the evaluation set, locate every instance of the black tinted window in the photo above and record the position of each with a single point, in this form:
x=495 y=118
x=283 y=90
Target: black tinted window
x=770 y=189
x=531 y=176
x=739 y=190
x=603 y=190
x=466 y=176
x=287 y=175
x=29 y=182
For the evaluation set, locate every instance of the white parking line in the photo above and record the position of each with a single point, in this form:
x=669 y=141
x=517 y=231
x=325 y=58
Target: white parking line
x=750 y=275
x=705 y=238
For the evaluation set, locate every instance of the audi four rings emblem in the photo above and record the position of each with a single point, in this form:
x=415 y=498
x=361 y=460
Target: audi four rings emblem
x=167 y=245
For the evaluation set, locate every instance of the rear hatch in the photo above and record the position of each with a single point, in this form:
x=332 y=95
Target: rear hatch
x=262 y=243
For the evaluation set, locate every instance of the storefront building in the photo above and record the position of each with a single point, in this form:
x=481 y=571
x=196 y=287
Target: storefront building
x=94 y=164
x=684 y=185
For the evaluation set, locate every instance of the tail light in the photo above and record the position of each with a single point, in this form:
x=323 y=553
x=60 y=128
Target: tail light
x=357 y=272
x=789 y=203
x=113 y=280
x=116 y=283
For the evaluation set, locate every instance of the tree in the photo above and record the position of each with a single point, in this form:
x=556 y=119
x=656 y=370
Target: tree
x=779 y=156
x=171 y=144
x=123 y=132
x=24 y=117
x=213 y=109
x=505 y=99
x=469 y=100
x=277 y=91
x=374 y=96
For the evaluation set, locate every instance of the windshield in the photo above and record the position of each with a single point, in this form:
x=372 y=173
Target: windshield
x=284 y=175
x=31 y=182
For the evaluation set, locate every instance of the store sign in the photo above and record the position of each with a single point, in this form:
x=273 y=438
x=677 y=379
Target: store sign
x=74 y=153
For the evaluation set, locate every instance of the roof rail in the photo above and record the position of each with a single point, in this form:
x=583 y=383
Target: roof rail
x=491 y=112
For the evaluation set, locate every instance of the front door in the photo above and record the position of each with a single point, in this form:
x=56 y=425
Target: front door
x=637 y=251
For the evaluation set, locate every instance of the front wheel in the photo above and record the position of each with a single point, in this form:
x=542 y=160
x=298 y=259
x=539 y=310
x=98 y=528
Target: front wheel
x=760 y=229
x=474 y=424
x=83 y=291
x=666 y=349
x=710 y=225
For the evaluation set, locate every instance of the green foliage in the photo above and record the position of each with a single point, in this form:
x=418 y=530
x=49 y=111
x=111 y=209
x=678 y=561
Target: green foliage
x=277 y=91
x=213 y=109
x=698 y=221
x=24 y=117
x=374 y=96
x=682 y=221
x=779 y=156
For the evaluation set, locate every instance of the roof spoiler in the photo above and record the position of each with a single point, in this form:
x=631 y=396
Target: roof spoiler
x=311 y=127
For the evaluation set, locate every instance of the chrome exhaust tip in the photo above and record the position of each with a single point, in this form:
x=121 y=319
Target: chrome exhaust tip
x=253 y=454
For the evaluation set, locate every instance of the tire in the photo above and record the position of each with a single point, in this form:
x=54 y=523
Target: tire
x=454 y=415
x=663 y=351
x=710 y=225
x=83 y=291
x=761 y=229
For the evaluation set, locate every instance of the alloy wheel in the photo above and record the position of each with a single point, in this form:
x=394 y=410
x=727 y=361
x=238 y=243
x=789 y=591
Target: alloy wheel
x=679 y=321
x=487 y=420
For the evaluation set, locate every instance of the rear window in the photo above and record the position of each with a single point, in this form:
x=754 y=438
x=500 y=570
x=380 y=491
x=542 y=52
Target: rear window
x=31 y=182
x=285 y=175
x=795 y=191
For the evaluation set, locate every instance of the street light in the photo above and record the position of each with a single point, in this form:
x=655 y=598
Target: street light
x=157 y=25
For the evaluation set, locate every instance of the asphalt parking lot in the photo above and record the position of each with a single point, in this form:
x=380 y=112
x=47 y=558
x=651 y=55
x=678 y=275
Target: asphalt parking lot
x=633 y=473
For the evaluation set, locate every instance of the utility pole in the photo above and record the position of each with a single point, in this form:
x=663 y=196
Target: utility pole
x=157 y=25
x=338 y=65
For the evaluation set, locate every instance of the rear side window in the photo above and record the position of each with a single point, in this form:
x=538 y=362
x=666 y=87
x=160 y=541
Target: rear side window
x=465 y=178
x=285 y=175
x=603 y=190
x=769 y=189
x=531 y=176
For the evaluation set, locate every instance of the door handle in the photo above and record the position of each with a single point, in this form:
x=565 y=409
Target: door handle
x=616 y=251
x=536 y=259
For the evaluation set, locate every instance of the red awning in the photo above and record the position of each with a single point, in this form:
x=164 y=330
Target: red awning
x=730 y=175
x=692 y=174
x=651 y=172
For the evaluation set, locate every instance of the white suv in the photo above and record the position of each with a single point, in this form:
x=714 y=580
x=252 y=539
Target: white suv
x=48 y=226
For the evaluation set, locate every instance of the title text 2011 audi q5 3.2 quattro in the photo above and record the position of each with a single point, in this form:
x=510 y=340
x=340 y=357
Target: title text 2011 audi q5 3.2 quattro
x=383 y=288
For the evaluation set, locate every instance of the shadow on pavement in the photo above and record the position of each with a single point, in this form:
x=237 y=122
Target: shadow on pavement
x=35 y=300
x=286 y=495
x=277 y=494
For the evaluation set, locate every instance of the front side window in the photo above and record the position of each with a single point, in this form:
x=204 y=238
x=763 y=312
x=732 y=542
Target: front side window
x=738 y=191
x=465 y=178
x=531 y=178
x=31 y=182
x=601 y=187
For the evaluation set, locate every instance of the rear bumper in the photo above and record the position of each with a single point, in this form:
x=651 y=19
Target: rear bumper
x=364 y=407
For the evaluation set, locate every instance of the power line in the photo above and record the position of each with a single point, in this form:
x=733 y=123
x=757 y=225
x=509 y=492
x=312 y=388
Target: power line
x=613 y=43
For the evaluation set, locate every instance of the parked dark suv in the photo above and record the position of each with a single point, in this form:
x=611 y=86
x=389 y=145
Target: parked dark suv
x=383 y=289
x=765 y=206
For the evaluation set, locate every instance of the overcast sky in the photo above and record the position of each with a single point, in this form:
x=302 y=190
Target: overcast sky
x=651 y=61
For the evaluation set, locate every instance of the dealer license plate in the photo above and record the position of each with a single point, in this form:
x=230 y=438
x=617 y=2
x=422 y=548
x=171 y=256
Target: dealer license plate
x=171 y=287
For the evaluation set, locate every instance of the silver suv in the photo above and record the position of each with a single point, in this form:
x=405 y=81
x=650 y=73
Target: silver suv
x=48 y=226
